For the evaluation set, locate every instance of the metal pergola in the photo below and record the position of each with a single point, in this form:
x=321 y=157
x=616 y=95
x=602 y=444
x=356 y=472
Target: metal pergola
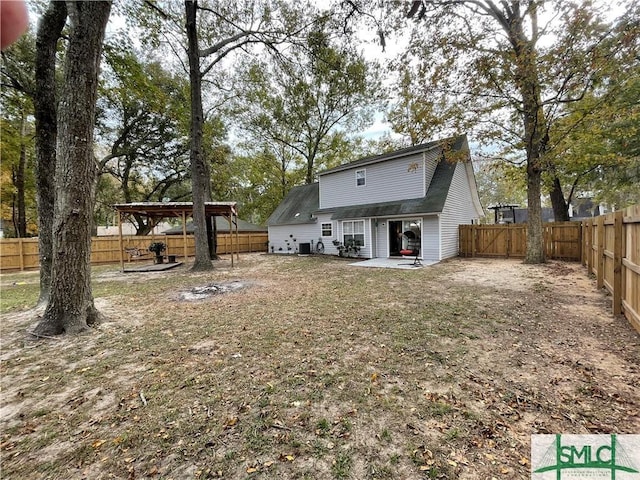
x=503 y=206
x=156 y=211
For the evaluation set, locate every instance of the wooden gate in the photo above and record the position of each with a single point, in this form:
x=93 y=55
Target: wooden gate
x=562 y=240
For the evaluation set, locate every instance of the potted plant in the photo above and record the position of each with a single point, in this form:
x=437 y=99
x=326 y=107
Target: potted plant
x=158 y=248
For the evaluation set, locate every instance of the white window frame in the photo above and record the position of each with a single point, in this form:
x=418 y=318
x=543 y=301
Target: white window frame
x=351 y=231
x=323 y=225
x=362 y=176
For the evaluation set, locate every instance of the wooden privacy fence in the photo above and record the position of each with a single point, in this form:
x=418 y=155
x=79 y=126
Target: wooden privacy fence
x=562 y=240
x=22 y=253
x=611 y=246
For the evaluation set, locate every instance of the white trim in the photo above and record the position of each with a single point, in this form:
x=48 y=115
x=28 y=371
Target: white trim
x=321 y=228
x=364 y=230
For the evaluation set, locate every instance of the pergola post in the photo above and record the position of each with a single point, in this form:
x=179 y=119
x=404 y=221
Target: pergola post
x=231 y=235
x=235 y=215
x=120 y=241
x=156 y=211
x=184 y=235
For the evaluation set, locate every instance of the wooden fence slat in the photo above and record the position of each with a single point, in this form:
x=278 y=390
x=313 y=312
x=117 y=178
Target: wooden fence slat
x=561 y=240
x=21 y=254
x=600 y=253
x=617 y=263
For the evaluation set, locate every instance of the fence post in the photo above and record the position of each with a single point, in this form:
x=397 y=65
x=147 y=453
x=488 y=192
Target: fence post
x=600 y=254
x=580 y=246
x=21 y=253
x=583 y=240
x=589 y=245
x=617 y=262
x=474 y=229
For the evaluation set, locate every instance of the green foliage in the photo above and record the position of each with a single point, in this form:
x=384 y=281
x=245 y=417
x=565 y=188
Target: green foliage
x=500 y=182
x=597 y=146
x=143 y=121
x=17 y=147
x=17 y=151
x=302 y=107
x=420 y=115
x=464 y=72
x=260 y=182
x=157 y=247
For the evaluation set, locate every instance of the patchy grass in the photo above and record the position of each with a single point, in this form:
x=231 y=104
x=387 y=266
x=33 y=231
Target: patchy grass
x=316 y=369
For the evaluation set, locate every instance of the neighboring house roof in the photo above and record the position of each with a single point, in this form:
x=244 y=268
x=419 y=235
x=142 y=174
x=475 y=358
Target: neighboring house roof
x=522 y=215
x=432 y=202
x=222 y=225
x=298 y=207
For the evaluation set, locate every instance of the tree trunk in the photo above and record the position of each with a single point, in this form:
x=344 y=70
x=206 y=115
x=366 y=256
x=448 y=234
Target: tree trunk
x=200 y=175
x=535 y=240
x=559 y=204
x=528 y=83
x=70 y=308
x=18 y=181
x=44 y=101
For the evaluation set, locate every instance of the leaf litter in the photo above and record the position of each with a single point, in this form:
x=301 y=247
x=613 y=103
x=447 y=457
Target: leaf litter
x=320 y=370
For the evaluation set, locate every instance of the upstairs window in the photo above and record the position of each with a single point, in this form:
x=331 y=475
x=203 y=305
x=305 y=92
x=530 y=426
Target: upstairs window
x=360 y=178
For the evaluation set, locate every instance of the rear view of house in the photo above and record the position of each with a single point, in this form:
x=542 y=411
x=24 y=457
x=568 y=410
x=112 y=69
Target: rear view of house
x=411 y=199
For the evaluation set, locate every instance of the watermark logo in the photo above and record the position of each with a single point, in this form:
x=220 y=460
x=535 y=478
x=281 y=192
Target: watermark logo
x=585 y=457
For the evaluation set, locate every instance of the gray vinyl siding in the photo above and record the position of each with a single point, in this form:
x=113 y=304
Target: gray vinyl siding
x=458 y=210
x=329 y=247
x=382 y=237
x=431 y=238
x=391 y=180
x=280 y=234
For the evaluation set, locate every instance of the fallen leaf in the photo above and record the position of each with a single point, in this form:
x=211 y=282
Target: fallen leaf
x=523 y=461
x=97 y=443
x=252 y=469
x=231 y=422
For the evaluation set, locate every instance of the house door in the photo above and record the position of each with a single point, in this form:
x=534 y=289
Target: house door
x=404 y=234
x=395 y=238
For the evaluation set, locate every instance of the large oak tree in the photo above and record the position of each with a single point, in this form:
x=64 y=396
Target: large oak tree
x=511 y=68
x=71 y=308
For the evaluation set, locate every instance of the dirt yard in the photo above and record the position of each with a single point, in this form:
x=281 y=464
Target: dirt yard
x=306 y=367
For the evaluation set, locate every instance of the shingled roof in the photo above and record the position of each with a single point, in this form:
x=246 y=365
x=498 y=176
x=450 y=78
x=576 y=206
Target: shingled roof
x=298 y=207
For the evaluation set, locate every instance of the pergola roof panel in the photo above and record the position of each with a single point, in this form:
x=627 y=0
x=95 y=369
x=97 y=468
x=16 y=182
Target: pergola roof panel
x=175 y=209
